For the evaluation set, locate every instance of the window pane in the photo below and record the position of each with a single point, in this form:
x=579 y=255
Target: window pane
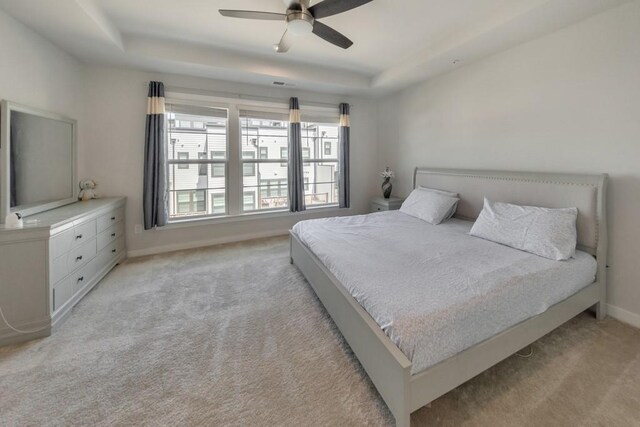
x=264 y=136
x=321 y=183
x=217 y=170
x=218 y=203
x=270 y=185
x=183 y=156
x=249 y=201
x=319 y=140
x=193 y=129
x=202 y=168
x=189 y=202
x=188 y=189
x=196 y=133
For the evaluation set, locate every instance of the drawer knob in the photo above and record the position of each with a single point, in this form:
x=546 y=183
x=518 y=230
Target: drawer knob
x=113 y=234
x=80 y=279
x=78 y=258
x=79 y=236
x=113 y=251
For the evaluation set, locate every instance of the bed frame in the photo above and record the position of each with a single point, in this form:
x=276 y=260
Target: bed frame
x=388 y=368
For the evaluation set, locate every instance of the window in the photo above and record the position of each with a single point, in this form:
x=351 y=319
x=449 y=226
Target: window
x=264 y=133
x=320 y=169
x=274 y=188
x=211 y=175
x=217 y=169
x=248 y=169
x=191 y=201
x=327 y=148
x=249 y=201
x=202 y=167
x=218 y=203
x=183 y=156
x=194 y=133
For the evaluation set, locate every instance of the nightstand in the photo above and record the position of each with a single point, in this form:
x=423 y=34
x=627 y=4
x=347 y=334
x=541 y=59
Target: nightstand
x=379 y=204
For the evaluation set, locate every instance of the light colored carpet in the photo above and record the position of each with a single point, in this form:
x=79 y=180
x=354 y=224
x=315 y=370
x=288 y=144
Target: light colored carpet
x=233 y=335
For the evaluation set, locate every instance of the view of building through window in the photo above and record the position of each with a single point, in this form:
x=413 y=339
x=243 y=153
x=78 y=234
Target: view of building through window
x=197 y=156
x=199 y=161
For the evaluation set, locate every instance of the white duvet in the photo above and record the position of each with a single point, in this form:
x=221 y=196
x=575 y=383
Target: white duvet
x=433 y=289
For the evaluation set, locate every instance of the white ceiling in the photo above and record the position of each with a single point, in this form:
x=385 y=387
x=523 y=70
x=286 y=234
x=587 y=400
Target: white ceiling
x=395 y=43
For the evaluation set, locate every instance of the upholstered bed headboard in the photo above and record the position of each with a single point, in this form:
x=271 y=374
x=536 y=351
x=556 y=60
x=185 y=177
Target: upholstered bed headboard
x=551 y=190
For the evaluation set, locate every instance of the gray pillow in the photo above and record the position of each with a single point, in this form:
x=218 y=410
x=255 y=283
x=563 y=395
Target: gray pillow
x=550 y=233
x=428 y=206
x=444 y=193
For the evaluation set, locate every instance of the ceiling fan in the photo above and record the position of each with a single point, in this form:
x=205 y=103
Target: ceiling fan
x=302 y=19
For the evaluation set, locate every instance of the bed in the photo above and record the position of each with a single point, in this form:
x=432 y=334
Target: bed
x=418 y=339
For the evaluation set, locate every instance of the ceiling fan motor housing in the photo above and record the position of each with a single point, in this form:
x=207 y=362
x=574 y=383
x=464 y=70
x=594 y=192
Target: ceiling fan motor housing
x=299 y=22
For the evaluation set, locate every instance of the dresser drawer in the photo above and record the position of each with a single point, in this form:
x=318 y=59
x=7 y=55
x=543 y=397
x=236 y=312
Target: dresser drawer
x=81 y=255
x=83 y=233
x=62 y=292
x=62 y=243
x=110 y=235
x=67 y=288
x=109 y=253
x=107 y=220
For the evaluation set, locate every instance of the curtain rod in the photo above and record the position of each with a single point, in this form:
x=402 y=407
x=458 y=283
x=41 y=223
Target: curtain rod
x=222 y=94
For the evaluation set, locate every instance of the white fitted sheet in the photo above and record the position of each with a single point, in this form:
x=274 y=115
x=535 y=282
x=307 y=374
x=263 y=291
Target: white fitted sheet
x=433 y=289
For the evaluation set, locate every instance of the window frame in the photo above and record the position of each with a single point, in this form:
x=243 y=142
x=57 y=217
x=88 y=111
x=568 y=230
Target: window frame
x=235 y=162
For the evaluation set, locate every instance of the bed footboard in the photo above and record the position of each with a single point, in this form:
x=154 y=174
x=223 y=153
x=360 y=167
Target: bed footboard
x=387 y=367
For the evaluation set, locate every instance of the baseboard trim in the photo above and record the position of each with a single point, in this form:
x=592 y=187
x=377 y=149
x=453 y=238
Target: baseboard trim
x=625 y=316
x=203 y=243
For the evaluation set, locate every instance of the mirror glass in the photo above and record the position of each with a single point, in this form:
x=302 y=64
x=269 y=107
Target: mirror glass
x=41 y=161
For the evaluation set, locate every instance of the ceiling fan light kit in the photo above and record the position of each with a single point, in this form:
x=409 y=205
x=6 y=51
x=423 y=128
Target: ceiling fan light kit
x=301 y=19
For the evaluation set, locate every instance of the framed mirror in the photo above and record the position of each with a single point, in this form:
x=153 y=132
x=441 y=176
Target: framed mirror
x=38 y=160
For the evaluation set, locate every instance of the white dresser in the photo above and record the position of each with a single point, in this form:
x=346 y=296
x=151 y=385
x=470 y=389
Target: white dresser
x=50 y=264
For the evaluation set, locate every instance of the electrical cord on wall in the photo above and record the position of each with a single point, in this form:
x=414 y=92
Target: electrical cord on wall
x=4 y=319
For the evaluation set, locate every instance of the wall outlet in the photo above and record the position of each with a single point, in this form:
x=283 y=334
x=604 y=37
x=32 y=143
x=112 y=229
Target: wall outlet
x=137 y=229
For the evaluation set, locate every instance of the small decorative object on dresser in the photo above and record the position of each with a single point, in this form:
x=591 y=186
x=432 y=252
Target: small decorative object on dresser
x=13 y=220
x=87 y=190
x=379 y=204
x=387 y=174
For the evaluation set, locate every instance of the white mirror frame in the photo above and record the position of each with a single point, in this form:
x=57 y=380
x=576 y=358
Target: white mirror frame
x=5 y=148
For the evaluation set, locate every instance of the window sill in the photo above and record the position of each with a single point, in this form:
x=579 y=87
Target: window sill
x=253 y=216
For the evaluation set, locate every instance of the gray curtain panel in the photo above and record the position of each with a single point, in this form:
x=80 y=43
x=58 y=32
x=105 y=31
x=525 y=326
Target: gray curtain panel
x=296 y=180
x=343 y=157
x=155 y=207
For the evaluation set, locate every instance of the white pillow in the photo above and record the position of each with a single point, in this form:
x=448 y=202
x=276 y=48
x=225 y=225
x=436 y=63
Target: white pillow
x=550 y=233
x=444 y=193
x=428 y=206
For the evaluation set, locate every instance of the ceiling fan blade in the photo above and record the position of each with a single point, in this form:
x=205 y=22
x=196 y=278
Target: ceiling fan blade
x=252 y=14
x=285 y=43
x=333 y=7
x=331 y=35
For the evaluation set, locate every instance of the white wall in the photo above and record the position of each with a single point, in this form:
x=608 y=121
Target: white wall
x=113 y=141
x=567 y=102
x=36 y=73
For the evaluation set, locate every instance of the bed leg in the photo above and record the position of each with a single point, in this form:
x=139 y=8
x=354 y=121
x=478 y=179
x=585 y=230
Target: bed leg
x=403 y=420
x=601 y=310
